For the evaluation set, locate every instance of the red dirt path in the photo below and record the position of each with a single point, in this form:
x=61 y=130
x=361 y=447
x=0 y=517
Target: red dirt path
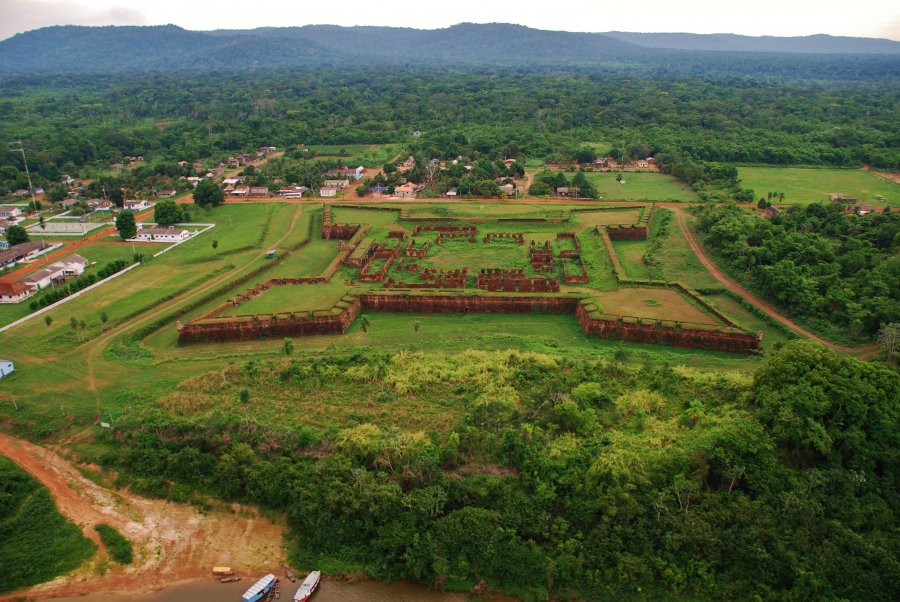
x=172 y=542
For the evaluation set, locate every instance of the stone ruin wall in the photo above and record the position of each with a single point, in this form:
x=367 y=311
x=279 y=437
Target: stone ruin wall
x=677 y=336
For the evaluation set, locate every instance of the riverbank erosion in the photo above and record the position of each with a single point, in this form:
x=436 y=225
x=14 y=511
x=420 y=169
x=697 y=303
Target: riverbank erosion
x=173 y=543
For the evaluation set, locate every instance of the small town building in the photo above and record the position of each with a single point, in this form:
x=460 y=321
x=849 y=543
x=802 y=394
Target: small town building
x=24 y=252
x=258 y=191
x=240 y=191
x=452 y=193
x=14 y=292
x=6 y=367
x=405 y=191
x=56 y=273
x=339 y=184
x=328 y=191
x=4 y=226
x=292 y=192
x=168 y=193
x=136 y=205
x=9 y=212
x=170 y=234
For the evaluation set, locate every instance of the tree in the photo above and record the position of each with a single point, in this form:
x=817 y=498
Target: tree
x=245 y=396
x=364 y=324
x=126 y=225
x=48 y=320
x=889 y=337
x=762 y=204
x=16 y=235
x=56 y=193
x=207 y=193
x=167 y=212
x=215 y=246
x=288 y=347
x=117 y=197
x=104 y=317
x=41 y=222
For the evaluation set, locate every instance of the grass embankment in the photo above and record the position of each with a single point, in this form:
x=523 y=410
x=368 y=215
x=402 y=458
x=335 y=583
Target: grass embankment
x=117 y=546
x=801 y=186
x=36 y=542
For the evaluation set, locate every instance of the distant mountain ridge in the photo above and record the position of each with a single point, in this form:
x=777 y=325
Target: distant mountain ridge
x=814 y=44
x=169 y=48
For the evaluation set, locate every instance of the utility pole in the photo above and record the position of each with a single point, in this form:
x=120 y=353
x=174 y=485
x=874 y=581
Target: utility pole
x=21 y=149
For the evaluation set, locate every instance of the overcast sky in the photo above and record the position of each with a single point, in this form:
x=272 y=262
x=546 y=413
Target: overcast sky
x=868 y=18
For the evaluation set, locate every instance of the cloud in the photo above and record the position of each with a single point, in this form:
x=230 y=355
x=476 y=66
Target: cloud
x=23 y=15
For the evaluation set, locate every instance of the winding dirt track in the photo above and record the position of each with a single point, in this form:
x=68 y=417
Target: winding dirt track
x=172 y=542
x=700 y=252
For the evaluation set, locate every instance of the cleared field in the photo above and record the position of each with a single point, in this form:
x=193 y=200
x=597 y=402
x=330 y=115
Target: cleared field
x=589 y=219
x=631 y=255
x=486 y=210
x=677 y=261
x=367 y=155
x=385 y=219
x=641 y=187
x=654 y=303
x=287 y=298
x=801 y=186
x=458 y=254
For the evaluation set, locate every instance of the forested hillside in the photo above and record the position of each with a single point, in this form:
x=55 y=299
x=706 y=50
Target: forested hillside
x=160 y=49
x=544 y=475
x=80 y=127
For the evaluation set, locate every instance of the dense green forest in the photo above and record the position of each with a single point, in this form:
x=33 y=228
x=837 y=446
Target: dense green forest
x=554 y=476
x=839 y=271
x=37 y=543
x=80 y=127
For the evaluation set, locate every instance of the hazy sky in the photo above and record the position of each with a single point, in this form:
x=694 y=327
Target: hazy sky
x=869 y=18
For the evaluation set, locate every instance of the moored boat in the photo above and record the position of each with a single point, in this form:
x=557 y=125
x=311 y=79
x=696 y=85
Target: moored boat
x=307 y=588
x=260 y=589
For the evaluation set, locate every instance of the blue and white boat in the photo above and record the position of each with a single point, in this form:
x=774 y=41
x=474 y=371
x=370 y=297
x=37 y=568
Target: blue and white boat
x=259 y=589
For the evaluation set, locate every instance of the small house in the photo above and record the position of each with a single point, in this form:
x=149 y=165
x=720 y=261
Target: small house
x=168 y=193
x=14 y=292
x=4 y=226
x=339 y=184
x=328 y=191
x=240 y=191
x=258 y=191
x=6 y=367
x=9 y=212
x=170 y=234
x=135 y=205
x=452 y=193
x=406 y=191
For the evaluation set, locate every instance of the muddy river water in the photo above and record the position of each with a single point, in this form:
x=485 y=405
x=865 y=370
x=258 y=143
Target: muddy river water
x=329 y=591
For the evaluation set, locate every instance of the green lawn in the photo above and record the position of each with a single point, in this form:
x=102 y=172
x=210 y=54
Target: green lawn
x=801 y=186
x=367 y=155
x=640 y=187
x=288 y=298
x=631 y=253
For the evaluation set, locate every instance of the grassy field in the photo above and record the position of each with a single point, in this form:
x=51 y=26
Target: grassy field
x=801 y=186
x=66 y=377
x=306 y=297
x=631 y=253
x=654 y=303
x=36 y=542
x=677 y=261
x=367 y=155
x=640 y=187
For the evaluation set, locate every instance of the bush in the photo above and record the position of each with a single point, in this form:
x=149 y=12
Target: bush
x=118 y=547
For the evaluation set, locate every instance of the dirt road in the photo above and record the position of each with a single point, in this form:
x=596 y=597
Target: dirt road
x=172 y=542
x=709 y=264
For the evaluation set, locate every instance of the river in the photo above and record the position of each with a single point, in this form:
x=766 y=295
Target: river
x=329 y=591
